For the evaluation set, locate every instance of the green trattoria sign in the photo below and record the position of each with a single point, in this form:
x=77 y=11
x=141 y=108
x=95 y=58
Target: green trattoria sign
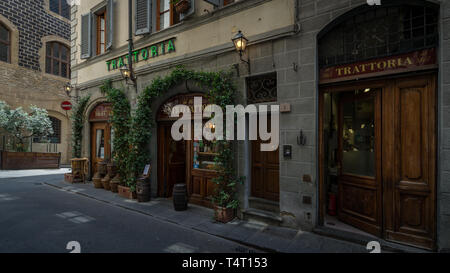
x=143 y=54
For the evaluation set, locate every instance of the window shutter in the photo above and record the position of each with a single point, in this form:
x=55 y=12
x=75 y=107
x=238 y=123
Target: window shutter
x=109 y=24
x=215 y=3
x=188 y=13
x=143 y=15
x=86 y=35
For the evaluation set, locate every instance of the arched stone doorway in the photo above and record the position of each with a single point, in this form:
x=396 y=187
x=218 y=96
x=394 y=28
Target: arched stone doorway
x=101 y=135
x=377 y=121
x=183 y=162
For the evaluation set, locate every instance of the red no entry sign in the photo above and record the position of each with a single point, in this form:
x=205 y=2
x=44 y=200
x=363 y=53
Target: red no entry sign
x=66 y=105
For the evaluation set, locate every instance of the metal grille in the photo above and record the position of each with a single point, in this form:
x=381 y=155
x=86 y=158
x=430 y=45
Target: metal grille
x=379 y=32
x=262 y=88
x=56 y=137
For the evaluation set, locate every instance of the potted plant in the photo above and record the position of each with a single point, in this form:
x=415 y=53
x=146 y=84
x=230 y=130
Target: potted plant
x=224 y=197
x=181 y=6
x=127 y=190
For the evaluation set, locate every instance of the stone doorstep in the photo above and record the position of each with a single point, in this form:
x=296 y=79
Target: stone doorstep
x=263 y=204
x=270 y=218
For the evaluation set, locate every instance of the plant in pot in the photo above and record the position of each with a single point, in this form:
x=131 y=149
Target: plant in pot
x=114 y=174
x=181 y=6
x=224 y=197
x=127 y=190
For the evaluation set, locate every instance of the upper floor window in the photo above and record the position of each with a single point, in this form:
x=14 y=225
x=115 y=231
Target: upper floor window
x=101 y=32
x=5 y=44
x=56 y=137
x=60 y=7
x=57 y=59
x=166 y=15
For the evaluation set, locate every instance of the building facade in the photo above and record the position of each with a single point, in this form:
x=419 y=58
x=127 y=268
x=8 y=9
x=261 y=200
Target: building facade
x=362 y=91
x=35 y=65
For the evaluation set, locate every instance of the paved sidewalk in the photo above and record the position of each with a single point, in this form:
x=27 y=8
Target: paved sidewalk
x=26 y=173
x=257 y=235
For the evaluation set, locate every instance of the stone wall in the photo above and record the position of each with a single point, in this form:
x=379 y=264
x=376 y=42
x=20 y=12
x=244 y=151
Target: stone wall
x=24 y=81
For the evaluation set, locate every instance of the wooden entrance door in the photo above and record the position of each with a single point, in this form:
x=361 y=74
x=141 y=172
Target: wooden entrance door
x=100 y=143
x=265 y=171
x=359 y=176
x=171 y=160
x=409 y=160
x=397 y=201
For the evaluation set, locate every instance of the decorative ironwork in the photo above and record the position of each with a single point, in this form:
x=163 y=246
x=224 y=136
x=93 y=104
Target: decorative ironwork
x=262 y=88
x=380 y=32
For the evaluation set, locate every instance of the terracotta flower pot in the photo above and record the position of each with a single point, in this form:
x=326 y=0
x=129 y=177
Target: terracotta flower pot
x=114 y=183
x=223 y=215
x=182 y=6
x=105 y=182
x=126 y=192
x=97 y=182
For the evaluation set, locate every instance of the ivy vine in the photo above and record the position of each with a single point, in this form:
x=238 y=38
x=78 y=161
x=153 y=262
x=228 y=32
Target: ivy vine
x=78 y=124
x=121 y=121
x=132 y=133
x=222 y=92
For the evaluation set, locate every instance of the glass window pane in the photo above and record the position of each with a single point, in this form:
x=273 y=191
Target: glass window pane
x=100 y=141
x=48 y=65
x=4 y=55
x=54 y=6
x=48 y=49
x=56 y=67
x=64 y=53
x=164 y=5
x=56 y=50
x=4 y=33
x=64 y=70
x=65 y=9
x=358 y=137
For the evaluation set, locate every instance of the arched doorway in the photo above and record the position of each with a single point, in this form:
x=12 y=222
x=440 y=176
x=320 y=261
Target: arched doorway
x=377 y=122
x=101 y=136
x=190 y=162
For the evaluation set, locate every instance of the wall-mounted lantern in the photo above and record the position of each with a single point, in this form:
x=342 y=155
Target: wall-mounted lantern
x=240 y=44
x=128 y=75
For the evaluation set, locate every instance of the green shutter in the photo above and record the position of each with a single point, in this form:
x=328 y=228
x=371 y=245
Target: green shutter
x=143 y=16
x=86 y=35
x=109 y=24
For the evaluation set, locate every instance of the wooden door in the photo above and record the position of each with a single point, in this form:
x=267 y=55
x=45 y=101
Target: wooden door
x=409 y=161
x=359 y=170
x=171 y=161
x=100 y=143
x=265 y=172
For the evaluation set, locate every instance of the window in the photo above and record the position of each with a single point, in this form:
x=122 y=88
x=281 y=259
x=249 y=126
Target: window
x=60 y=7
x=262 y=88
x=166 y=15
x=379 y=32
x=57 y=59
x=5 y=44
x=56 y=137
x=101 y=33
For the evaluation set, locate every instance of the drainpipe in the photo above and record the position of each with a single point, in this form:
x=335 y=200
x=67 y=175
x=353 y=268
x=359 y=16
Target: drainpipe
x=130 y=34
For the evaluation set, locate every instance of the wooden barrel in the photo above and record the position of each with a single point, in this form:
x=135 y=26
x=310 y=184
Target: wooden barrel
x=143 y=190
x=180 y=199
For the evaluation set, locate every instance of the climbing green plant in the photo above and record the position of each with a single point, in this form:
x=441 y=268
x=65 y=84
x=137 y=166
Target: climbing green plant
x=222 y=92
x=121 y=121
x=77 y=125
